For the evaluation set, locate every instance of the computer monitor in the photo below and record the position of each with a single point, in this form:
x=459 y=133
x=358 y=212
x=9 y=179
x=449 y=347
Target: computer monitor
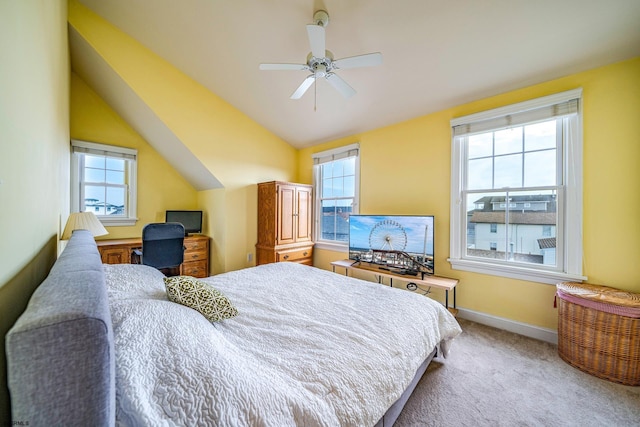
x=191 y=220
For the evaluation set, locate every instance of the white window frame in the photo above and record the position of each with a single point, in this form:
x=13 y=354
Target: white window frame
x=352 y=150
x=569 y=204
x=78 y=149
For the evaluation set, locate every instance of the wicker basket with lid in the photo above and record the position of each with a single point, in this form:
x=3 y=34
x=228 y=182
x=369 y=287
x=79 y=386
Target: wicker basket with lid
x=599 y=331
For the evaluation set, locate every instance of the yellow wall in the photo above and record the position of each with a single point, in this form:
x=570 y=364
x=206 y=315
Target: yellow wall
x=237 y=151
x=34 y=165
x=405 y=169
x=34 y=119
x=160 y=186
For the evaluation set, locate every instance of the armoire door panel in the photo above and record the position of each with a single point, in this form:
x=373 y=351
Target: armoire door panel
x=286 y=207
x=304 y=206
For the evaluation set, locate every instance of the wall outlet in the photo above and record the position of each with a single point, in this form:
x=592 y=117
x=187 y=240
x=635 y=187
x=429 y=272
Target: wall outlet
x=249 y=257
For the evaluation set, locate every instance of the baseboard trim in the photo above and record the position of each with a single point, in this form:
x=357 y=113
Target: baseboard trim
x=543 y=334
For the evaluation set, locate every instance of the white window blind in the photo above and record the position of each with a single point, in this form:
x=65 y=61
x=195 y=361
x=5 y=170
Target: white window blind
x=336 y=154
x=101 y=150
x=554 y=106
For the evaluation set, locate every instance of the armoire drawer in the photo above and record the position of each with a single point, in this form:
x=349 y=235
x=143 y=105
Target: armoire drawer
x=295 y=255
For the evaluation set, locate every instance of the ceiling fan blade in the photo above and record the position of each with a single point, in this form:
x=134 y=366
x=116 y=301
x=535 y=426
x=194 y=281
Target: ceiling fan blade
x=367 y=60
x=340 y=85
x=316 y=40
x=306 y=84
x=295 y=67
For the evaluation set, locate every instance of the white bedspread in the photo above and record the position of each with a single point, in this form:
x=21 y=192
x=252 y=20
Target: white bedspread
x=308 y=348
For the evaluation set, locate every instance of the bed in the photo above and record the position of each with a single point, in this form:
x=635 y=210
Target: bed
x=103 y=345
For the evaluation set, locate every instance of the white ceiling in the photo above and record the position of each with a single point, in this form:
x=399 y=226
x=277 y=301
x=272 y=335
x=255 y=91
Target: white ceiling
x=436 y=53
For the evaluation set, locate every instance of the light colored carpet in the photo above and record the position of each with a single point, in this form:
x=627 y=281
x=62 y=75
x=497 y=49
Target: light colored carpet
x=497 y=378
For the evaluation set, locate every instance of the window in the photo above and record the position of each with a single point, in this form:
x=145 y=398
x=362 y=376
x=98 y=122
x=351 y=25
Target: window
x=103 y=181
x=517 y=178
x=336 y=184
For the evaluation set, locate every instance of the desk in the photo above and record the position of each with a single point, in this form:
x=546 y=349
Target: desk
x=413 y=284
x=196 y=254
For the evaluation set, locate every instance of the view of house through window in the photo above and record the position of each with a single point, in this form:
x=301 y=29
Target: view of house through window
x=104 y=184
x=336 y=187
x=511 y=193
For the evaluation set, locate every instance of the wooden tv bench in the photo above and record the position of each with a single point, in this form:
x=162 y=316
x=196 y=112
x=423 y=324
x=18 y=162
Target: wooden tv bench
x=428 y=281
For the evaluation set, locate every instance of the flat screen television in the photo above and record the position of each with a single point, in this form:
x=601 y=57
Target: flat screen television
x=192 y=220
x=402 y=244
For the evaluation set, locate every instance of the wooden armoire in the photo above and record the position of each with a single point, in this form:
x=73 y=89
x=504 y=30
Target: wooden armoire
x=284 y=223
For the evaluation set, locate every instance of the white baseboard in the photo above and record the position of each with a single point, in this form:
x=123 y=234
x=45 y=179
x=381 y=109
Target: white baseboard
x=543 y=334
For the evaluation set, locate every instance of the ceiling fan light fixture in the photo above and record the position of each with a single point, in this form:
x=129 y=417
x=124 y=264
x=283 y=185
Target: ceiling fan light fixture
x=320 y=70
x=321 y=63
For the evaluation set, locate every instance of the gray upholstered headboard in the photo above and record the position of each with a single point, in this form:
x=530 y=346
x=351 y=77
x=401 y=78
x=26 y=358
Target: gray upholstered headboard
x=60 y=356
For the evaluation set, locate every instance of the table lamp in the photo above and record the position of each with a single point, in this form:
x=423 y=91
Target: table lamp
x=83 y=221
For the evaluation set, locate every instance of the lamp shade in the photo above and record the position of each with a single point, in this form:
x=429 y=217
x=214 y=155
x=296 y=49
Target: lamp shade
x=83 y=221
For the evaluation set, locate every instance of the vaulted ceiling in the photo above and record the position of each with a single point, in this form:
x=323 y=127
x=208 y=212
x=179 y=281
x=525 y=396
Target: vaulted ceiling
x=436 y=53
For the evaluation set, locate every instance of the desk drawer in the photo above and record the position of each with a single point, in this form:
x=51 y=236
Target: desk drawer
x=195 y=255
x=195 y=245
x=195 y=269
x=116 y=255
x=196 y=249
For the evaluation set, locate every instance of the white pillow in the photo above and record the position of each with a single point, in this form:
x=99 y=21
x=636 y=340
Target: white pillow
x=127 y=281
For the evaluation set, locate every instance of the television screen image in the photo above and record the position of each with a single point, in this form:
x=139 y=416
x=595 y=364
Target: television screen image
x=192 y=220
x=402 y=244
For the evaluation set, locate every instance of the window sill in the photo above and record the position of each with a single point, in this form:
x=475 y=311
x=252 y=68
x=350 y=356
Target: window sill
x=331 y=246
x=515 y=272
x=118 y=222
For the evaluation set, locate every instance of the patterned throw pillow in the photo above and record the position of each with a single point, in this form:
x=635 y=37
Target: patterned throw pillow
x=200 y=296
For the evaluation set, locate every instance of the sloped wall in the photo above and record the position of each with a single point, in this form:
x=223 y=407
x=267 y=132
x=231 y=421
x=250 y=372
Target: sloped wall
x=160 y=186
x=235 y=149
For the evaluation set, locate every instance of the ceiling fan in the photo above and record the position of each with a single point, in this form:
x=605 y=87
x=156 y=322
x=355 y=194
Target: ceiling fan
x=321 y=63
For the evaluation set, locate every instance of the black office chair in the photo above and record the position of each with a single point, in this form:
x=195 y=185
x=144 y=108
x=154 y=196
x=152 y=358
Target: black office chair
x=163 y=246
